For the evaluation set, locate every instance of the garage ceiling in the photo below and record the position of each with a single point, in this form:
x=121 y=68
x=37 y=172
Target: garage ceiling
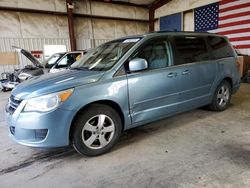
x=152 y=4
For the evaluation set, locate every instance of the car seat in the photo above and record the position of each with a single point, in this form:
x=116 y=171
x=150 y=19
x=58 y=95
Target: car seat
x=159 y=58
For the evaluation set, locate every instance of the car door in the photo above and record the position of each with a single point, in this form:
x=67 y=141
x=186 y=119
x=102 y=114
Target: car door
x=197 y=71
x=153 y=93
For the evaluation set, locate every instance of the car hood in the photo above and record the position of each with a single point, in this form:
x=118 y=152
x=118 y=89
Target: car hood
x=27 y=54
x=50 y=83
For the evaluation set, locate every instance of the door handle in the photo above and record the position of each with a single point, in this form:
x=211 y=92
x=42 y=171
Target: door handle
x=186 y=72
x=172 y=74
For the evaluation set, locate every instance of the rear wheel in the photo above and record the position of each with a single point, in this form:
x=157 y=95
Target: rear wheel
x=96 y=130
x=222 y=97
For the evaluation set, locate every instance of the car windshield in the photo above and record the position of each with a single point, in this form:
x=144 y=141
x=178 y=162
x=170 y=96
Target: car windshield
x=105 y=56
x=48 y=63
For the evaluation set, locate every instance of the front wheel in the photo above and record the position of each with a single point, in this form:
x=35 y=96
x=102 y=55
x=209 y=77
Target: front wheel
x=96 y=130
x=222 y=97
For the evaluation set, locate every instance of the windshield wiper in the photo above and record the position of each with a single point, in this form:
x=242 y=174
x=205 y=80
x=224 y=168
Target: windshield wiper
x=78 y=68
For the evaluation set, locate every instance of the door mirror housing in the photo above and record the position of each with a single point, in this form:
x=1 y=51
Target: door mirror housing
x=138 y=64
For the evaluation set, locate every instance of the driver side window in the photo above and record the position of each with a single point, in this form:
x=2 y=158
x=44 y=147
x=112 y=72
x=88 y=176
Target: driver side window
x=156 y=54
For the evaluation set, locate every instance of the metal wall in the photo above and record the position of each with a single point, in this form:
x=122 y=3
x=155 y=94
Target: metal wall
x=83 y=43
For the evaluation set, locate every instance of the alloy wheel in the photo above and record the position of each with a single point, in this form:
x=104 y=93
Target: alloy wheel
x=98 y=131
x=223 y=95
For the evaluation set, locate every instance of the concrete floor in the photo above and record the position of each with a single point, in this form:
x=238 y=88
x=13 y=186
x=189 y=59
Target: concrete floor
x=199 y=148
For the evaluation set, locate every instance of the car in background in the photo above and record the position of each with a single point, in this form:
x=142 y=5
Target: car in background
x=122 y=84
x=55 y=63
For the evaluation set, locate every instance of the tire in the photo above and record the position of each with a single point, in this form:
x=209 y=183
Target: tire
x=96 y=130
x=222 y=97
x=5 y=89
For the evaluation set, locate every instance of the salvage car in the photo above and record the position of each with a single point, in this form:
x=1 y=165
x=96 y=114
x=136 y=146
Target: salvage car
x=55 y=63
x=122 y=84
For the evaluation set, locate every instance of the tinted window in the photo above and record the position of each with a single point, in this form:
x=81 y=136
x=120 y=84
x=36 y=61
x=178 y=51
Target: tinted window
x=156 y=54
x=220 y=47
x=189 y=50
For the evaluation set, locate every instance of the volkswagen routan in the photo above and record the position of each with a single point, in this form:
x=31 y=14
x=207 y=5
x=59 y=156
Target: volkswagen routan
x=120 y=85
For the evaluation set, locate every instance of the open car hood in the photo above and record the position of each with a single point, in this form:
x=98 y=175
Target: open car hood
x=29 y=56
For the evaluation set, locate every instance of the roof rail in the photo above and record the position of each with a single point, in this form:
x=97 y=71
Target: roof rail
x=174 y=30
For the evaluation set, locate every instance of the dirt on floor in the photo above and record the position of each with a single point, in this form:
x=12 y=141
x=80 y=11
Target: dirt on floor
x=199 y=148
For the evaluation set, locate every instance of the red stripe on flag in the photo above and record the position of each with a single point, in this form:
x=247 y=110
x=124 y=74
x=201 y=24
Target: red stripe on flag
x=234 y=31
x=239 y=39
x=242 y=46
x=235 y=7
x=234 y=15
x=234 y=23
x=223 y=2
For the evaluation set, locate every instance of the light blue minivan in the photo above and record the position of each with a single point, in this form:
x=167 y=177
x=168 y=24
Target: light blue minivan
x=123 y=84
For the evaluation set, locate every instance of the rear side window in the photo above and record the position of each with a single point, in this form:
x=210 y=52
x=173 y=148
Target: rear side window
x=220 y=47
x=190 y=50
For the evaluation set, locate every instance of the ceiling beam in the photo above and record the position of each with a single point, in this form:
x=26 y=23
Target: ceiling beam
x=25 y=10
x=121 y=3
x=157 y=4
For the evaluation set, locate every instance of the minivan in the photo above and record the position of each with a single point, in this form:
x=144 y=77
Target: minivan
x=120 y=85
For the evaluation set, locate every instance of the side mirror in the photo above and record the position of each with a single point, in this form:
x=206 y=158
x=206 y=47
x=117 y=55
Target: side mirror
x=137 y=64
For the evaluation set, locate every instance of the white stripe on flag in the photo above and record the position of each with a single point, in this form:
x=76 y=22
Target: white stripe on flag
x=240 y=10
x=247 y=34
x=234 y=19
x=234 y=3
x=244 y=51
x=234 y=43
x=244 y=26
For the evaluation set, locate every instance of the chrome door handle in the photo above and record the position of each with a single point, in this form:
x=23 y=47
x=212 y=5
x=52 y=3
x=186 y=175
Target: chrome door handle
x=185 y=72
x=172 y=74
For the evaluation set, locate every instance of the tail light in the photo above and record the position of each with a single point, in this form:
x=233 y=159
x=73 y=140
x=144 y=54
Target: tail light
x=237 y=65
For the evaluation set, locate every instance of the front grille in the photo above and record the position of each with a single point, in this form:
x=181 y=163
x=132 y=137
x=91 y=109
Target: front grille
x=12 y=104
x=40 y=134
x=12 y=130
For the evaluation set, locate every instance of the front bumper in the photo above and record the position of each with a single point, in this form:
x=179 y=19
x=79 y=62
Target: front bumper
x=35 y=129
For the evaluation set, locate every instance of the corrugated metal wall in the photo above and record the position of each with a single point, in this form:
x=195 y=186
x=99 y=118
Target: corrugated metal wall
x=38 y=44
x=82 y=43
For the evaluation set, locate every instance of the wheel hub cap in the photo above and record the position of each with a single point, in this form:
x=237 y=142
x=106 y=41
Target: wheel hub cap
x=223 y=95
x=98 y=131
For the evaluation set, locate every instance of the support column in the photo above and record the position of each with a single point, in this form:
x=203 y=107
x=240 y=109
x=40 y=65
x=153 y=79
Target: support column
x=69 y=7
x=151 y=19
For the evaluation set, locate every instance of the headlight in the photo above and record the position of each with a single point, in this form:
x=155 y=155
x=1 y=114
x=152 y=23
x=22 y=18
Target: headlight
x=47 y=102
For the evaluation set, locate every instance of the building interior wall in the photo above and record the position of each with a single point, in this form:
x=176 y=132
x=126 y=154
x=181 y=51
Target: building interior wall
x=35 y=28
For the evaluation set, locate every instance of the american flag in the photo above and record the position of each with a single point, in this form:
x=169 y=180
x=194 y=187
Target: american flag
x=227 y=17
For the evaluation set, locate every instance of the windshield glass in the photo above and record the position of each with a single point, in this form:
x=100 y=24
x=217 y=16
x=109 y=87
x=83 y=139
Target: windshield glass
x=105 y=56
x=48 y=63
